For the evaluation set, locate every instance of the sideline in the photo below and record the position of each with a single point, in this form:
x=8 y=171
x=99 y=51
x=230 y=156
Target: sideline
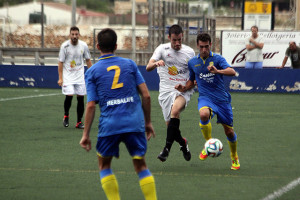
x=281 y=191
x=28 y=97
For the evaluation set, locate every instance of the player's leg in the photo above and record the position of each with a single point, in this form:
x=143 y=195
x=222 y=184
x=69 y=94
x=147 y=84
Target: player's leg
x=80 y=90
x=80 y=111
x=225 y=117
x=205 y=126
x=108 y=179
x=173 y=127
x=136 y=144
x=107 y=147
x=67 y=90
x=67 y=106
x=232 y=141
x=147 y=182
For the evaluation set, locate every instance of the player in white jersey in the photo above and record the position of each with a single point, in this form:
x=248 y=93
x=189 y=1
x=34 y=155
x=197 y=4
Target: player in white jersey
x=171 y=60
x=72 y=54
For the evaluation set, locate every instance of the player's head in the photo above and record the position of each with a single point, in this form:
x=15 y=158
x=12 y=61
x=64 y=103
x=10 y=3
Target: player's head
x=292 y=46
x=175 y=36
x=254 y=30
x=74 y=34
x=204 y=44
x=107 y=40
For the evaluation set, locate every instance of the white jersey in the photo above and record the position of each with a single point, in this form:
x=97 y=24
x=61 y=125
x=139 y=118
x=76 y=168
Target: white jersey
x=176 y=69
x=73 y=57
x=254 y=55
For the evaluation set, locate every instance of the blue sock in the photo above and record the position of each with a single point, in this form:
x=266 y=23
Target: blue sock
x=105 y=172
x=144 y=173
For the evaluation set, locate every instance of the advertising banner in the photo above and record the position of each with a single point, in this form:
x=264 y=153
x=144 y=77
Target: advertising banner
x=233 y=46
x=258 y=13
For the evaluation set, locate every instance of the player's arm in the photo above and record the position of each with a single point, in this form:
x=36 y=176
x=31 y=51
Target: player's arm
x=227 y=71
x=88 y=63
x=183 y=88
x=60 y=73
x=152 y=64
x=85 y=141
x=146 y=104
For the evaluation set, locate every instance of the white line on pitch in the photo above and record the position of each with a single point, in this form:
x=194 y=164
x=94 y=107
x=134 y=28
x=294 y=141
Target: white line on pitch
x=28 y=97
x=281 y=191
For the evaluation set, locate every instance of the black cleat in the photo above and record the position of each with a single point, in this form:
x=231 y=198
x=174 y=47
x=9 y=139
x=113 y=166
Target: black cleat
x=66 y=121
x=80 y=125
x=163 y=155
x=185 y=150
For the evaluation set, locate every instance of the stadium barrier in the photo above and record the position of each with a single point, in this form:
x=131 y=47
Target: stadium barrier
x=246 y=80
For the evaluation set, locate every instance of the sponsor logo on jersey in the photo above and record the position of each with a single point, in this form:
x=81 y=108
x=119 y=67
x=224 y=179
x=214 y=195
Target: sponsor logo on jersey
x=173 y=71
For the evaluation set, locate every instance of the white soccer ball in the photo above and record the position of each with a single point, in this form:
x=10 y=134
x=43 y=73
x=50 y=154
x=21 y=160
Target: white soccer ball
x=213 y=147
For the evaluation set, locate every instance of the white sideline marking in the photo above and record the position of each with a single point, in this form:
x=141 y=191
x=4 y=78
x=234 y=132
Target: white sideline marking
x=27 y=97
x=283 y=190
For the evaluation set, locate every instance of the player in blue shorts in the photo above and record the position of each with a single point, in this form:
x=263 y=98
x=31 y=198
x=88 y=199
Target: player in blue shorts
x=208 y=68
x=115 y=84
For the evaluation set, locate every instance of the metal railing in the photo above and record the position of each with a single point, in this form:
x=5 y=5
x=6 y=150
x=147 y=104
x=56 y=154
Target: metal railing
x=43 y=56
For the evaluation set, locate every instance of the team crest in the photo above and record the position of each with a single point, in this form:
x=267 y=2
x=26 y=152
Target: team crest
x=173 y=71
x=73 y=64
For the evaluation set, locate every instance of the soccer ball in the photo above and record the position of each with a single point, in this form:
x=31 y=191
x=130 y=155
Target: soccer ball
x=213 y=147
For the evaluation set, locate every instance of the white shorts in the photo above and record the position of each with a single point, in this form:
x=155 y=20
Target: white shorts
x=166 y=100
x=72 y=89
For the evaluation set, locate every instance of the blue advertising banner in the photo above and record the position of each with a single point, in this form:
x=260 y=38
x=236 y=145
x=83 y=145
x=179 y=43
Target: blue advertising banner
x=246 y=80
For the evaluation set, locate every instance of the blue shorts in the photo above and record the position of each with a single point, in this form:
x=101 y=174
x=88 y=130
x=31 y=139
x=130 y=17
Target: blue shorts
x=222 y=110
x=136 y=144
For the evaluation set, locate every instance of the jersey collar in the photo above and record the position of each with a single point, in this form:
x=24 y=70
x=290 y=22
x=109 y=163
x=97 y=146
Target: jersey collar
x=106 y=56
x=211 y=54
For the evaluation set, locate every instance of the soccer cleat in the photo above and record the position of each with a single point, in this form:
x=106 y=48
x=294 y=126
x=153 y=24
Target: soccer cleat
x=185 y=150
x=66 y=121
x=163 y=155
x=203 y=155
x=235 y=164
x=80 y=125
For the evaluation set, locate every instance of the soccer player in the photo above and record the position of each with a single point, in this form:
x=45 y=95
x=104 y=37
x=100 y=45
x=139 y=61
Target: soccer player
x=115 y=84
x=71 y=74
x=208 y=68
x=171 y=59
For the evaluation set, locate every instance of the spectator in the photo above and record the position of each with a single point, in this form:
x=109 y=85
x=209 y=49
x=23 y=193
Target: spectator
x=293 y=51
x=254 y=45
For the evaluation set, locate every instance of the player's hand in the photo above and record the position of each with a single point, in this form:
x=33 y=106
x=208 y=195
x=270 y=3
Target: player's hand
x=149 y=131
x=159 y=63
x=212 y=69
x=60 y=82
x=86 y=143
x=180 y=88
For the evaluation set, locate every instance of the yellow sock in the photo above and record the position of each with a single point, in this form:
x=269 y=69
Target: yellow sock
x=233 y=149
x=147 y=185
x=206 y=130
x=110 y=186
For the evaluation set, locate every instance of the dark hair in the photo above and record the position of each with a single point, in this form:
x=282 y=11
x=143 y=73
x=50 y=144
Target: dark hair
x=107 y=40
x=254 y=27
x=74 y=28
x=203 y=37
x=175 y=29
